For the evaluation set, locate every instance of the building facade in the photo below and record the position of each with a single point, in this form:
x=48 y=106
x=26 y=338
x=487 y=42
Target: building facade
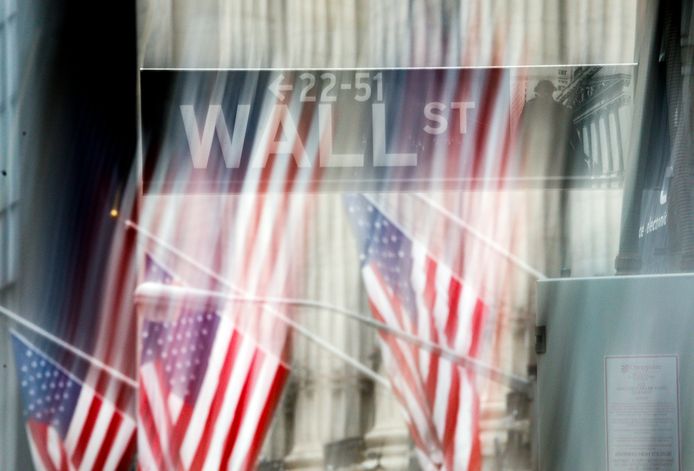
x=332 y=417
x=501 y=239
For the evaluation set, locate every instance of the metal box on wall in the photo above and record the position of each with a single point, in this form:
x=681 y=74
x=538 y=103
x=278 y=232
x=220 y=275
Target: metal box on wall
x=614 y=372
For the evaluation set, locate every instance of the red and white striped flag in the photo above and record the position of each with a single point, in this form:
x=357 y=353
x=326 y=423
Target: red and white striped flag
x=69 y=425
x=410 y=291
x=213 y=415
x=207 y=393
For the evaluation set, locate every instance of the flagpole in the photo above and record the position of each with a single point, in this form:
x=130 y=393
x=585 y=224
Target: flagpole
x=513 y=381
x=75 y=351
x=152 y=290
x=522 y=264
x=294 y=325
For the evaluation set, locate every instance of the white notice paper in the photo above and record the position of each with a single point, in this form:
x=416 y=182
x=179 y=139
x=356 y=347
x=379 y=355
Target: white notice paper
x=642 y=413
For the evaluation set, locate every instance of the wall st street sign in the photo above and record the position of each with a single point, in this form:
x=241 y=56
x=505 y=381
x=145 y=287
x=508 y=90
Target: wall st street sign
x=235 y=130
x=348 y=129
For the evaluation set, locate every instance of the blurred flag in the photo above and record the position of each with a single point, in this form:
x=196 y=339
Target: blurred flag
x=207 y=393
x=410 y=291
x=69 y=426
x=157 y=273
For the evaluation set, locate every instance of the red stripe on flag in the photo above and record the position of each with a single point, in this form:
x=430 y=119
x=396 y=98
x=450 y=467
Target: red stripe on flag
x=39 y=435
x=216 y=406
x=433 y=370
x=482 y=130
x=430 y=285
x=273 y=398
x=147 y=424
x=403 y=364
x=122 y=287
x=181 y=426
x=241 y=408
x=449 y=445
x=429 y=295
x=173 y=458
x=432 y=375
x=411 y=381
x=476 y=326
x=64 y=463
x=107 y=443
x=454 y=290
x=126 y=457
x=87 y=430
x=402 y=319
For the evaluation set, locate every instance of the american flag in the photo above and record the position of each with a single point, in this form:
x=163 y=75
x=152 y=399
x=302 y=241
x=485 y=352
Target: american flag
x=156 y=272
x=214 y=414
x=207 y=393
x=69 y=426
x=411 y=291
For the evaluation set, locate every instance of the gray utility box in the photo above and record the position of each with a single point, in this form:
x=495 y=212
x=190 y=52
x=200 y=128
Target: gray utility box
x=615 y=383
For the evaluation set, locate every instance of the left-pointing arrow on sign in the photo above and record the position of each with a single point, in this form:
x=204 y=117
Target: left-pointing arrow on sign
x=277 y=87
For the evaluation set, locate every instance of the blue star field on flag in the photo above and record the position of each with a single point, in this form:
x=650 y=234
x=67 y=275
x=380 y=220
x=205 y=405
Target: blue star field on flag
x=155 y=272
x=182 y=348
x=49 y=394
x=382 y=243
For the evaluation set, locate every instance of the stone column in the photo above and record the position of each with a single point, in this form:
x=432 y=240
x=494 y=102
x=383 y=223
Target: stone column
x=618 y=131
x=388 y=441
x=307 y=450
x=341 y=287
x=309 y=364
x=330 y=402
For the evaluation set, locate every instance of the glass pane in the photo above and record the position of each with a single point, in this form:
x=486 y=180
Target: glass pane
x=422 y=234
